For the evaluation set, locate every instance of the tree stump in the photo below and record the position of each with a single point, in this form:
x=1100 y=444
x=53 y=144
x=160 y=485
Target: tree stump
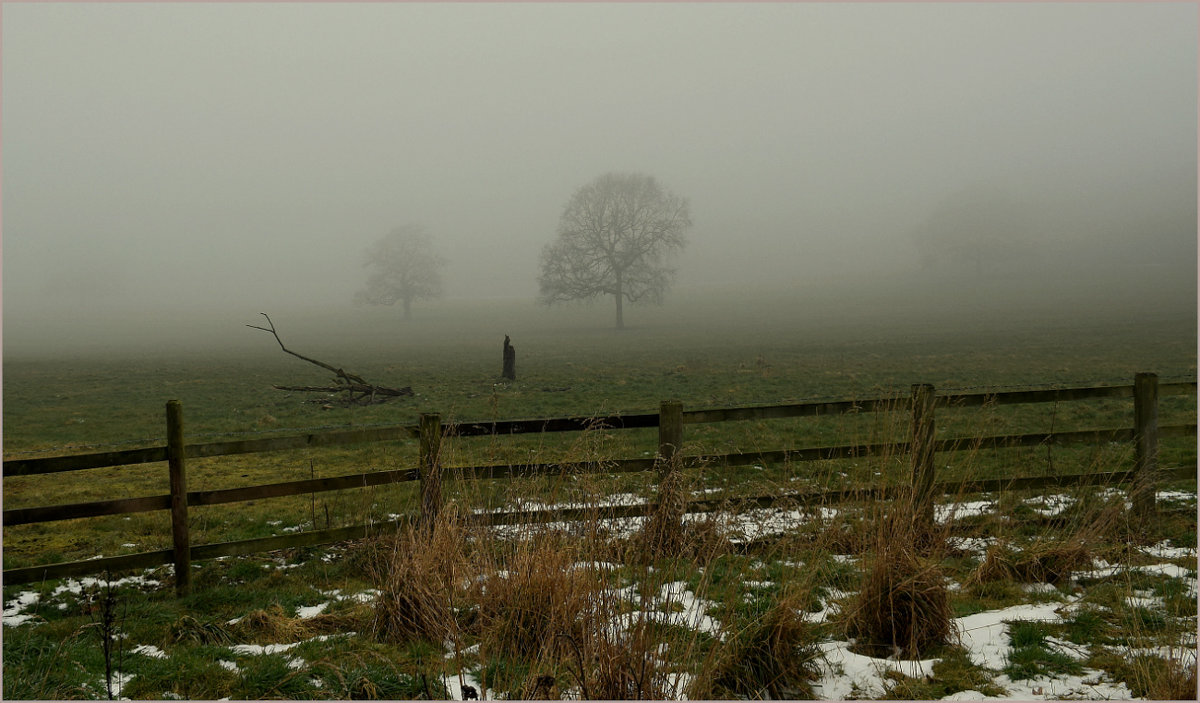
x=510 y=360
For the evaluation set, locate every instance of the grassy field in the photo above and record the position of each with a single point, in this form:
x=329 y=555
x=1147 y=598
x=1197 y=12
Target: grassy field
x=715 y=352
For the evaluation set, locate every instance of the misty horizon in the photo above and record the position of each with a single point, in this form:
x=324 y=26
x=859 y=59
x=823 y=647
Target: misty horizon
x=200 y=161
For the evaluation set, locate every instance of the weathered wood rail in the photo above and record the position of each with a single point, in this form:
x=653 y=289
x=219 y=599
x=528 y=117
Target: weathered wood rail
x=671 y=418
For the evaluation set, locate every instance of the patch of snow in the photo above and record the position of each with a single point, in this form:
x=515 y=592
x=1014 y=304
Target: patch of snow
x=974 y=545
x=1090 y=685
x=454 y=684
x=150 y=650
x=312 y=611
x=1050 y=505
x=985 y=635
x=13 y=615
x=229 y=666
x=1164 y=550
x=969 y=695
x=119 y=681
x=1183 y=496
x=845 y=674
x=948 y=511
x=259 y=649
x=594 y=566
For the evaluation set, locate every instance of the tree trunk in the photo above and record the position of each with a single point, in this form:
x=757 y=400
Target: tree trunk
x=510 y=360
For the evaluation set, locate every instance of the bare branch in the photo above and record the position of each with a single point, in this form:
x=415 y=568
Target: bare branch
x=347 y=383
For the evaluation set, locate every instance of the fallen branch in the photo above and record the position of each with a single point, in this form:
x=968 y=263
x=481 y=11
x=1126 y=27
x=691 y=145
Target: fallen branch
x=355 y=390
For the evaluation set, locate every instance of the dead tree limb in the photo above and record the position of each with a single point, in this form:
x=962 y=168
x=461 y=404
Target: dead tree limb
x=354 y=389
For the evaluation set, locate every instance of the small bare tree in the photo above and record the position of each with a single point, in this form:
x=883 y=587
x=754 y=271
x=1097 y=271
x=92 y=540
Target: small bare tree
x=405 y=268
x=614 y=238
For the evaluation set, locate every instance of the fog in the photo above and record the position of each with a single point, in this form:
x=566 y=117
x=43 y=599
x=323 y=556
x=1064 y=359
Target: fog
x=176 y=167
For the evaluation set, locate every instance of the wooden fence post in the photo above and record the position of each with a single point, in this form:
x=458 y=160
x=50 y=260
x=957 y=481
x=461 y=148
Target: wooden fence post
x=923 y=442
x=179 y=516
x=664 y=527
x=1145 y=433
x=670 y=430
x=429 y=465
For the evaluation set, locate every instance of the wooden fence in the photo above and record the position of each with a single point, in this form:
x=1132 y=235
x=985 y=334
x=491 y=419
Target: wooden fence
x=432 y=432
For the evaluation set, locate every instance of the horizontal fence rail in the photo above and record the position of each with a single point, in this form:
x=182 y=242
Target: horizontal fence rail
x=22 y=516
x=669 y=420
x=76 y=462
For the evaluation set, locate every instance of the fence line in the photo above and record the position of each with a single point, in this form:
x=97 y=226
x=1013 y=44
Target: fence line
x=77 y=462
x=670 y=420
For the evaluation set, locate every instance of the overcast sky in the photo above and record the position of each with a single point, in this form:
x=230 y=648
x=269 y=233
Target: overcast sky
x=226 y=155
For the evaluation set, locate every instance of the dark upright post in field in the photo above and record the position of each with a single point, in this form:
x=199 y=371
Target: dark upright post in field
x=1145 y=433
x=429 y=464
x=923 y=440
x=510 y=360
x=665 y=527
x=179 y=519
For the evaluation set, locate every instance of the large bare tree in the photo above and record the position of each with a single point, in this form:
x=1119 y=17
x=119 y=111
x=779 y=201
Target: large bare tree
x=615 y=237
x=404 y=269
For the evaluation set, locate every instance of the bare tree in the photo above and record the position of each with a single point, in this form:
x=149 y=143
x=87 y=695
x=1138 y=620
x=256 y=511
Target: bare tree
x=405 y=268
x=614 y=238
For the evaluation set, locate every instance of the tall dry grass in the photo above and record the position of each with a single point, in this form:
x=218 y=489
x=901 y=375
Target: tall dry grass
x=545 y=610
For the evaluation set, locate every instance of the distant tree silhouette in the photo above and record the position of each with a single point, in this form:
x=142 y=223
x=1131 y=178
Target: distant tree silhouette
x=614 y=238
x=404 y=268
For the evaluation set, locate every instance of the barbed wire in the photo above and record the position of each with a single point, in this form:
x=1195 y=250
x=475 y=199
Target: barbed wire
x=897 y=393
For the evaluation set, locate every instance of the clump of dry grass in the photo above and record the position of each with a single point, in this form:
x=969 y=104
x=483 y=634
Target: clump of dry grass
x=271 y=624
x=415 y=572
x=903 y=607
x=776 y=654
x=1044 y=561
x=623 y=665
x=1175 y=680
x=663 y=533
x=187 y=629
x=539 y=594
x=1051 y=558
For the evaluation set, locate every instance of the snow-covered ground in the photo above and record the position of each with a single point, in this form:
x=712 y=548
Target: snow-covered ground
x=844 y=673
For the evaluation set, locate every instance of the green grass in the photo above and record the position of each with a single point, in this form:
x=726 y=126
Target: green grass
x=57 y=405
x=953 y=673
x=1033 y=656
